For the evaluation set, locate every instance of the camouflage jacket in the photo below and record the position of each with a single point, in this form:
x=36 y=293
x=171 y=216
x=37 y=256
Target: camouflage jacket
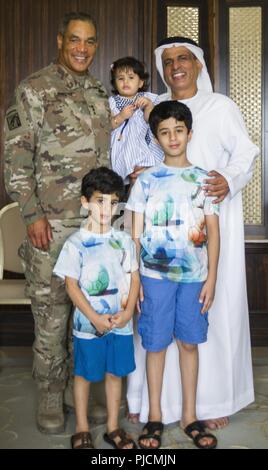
x=56 y=130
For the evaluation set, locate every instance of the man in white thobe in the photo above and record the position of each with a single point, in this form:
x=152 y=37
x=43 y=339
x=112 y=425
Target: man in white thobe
x=221 y=145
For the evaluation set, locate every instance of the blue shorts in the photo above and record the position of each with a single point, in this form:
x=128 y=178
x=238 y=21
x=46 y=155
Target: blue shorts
x=113 y=354
x=171 y=310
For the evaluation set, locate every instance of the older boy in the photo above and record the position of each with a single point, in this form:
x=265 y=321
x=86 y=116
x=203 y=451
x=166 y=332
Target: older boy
x=176 y=233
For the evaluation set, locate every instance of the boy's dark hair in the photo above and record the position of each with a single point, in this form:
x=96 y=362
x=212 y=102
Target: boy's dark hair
x=129 y=63
x=75 y=16
x=170 y=109
x=104 y=180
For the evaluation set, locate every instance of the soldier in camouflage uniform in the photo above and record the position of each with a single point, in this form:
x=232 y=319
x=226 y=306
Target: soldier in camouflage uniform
x=56 y=130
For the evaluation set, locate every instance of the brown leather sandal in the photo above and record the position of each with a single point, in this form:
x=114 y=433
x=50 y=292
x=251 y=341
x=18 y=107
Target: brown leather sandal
x=83 y=439
x=124 y=439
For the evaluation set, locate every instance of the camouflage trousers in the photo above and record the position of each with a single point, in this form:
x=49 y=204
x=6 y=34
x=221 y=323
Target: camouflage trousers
x=51 y=306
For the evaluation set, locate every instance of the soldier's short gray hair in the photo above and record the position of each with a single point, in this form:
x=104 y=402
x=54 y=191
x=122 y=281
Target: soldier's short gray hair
x=75 y=16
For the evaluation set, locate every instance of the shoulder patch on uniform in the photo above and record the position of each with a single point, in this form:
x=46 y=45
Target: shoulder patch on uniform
x=13 y=120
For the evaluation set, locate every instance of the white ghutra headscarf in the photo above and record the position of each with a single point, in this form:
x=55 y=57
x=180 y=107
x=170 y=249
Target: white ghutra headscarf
x=203 y=81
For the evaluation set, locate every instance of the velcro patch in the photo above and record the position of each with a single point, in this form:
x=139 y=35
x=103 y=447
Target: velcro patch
x=13 y=120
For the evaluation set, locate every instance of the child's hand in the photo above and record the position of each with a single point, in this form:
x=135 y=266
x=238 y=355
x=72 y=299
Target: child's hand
x=140 y=299
x=207 y=295
x=103 y=323
x=120 y=319
x=146 y=105
x=143 y=102
x=128 y=111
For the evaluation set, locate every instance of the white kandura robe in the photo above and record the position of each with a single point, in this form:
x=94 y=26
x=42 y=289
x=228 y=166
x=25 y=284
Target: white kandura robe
x=220 y=142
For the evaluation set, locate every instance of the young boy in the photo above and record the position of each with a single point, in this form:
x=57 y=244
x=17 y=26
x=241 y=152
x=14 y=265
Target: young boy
x=176 y=231
x=100 y=270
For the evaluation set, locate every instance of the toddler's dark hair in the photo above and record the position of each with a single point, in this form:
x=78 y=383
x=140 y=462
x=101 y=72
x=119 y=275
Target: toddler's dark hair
x=170 y=109
x=129 y=63
x=104 y=180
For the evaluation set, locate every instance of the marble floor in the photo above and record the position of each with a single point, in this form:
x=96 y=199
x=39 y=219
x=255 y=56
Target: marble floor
x=248 y=429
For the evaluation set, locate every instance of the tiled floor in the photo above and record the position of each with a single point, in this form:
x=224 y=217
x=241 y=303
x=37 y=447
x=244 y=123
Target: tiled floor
x=247 y=429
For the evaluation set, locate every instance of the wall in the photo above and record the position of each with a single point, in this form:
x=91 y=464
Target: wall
x=257 y=275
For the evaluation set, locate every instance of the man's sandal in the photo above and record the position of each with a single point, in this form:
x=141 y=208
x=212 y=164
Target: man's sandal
x=125 y=439
x=152 y=427
x=199 y=427
x=82 y=440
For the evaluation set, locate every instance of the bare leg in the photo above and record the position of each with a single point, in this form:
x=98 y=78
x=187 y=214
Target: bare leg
x=155 y=362
x=189 y=376
x=113 y=387
x=189 y=372
x=81 y=395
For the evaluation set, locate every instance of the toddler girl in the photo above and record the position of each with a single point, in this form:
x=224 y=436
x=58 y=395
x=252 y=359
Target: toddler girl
x=132 y=144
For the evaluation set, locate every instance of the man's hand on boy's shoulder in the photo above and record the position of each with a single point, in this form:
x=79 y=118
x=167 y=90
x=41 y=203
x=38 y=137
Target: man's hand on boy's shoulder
x=216 y=186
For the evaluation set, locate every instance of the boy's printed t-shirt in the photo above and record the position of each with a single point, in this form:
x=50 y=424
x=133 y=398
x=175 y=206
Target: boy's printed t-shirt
x=173 y=244
x=102 y=264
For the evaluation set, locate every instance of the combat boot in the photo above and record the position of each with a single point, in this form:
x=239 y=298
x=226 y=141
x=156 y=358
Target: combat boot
x=68 y=398
x=96 y=411
x=50 y=416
